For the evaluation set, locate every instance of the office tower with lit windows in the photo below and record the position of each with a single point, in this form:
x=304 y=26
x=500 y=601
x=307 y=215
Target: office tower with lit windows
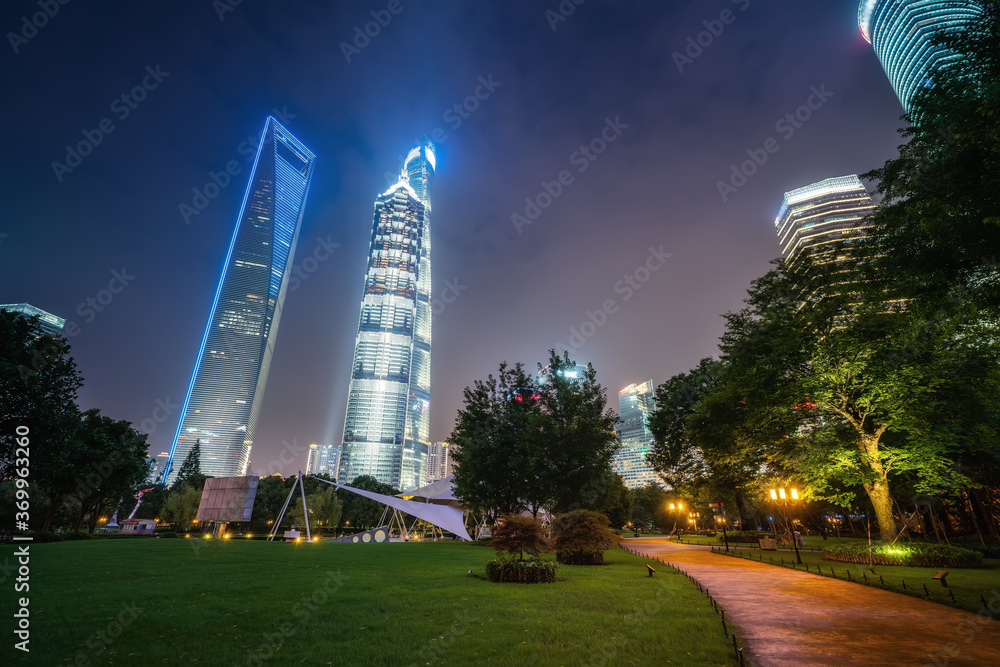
x=223 y=400
x=814 y=218
x=387 y=425
x=440 y=461
x=323 y=460
x=902 y=31
x=49 y=323
x=635 y=402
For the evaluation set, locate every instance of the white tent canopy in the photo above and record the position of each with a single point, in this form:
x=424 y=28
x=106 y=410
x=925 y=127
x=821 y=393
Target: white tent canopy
x=440 y=492
x=444 y=517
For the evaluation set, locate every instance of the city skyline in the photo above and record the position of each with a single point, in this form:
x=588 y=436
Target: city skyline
x=509 y=128
x=635 y=403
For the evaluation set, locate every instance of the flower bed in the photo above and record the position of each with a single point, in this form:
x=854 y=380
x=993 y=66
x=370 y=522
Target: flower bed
x=911 y=554
x=508 y=570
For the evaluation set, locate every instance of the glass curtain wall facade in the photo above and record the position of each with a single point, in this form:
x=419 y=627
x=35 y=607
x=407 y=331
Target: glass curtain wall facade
x=901 y=32
x=49 y=323
x=822 y=214
x=635 y=402
x=323 y=460
x=387 y=426
x=224 y=398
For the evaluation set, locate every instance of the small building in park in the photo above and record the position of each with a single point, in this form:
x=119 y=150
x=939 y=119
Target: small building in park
x=138 y=527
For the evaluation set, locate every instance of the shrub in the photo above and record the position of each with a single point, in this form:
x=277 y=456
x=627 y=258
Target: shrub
x=168 y=534
x=79 y=535
x=744 y=536
x=512 y=571
x=580 y=556
x=45 y=537
x=582 y=536
x=911 y=553
x=517 y=534
x=990 y=550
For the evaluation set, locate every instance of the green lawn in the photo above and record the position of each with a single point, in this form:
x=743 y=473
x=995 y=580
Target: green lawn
x=968 y=584
x=146 y=601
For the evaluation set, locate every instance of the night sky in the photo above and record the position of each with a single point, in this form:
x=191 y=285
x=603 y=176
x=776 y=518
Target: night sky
x=220 y=73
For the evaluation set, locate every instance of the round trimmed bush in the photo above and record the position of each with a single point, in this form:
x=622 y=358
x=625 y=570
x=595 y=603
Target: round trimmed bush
x=912 y=553
x=582 y=537
x=512 y=571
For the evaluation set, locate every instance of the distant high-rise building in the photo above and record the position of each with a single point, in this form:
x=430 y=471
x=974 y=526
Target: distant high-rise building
x=440 y=461
x=576 y=372
x=635 y=402
x=50 y=324
x=223 y=401
x=387 y=426
x=323 y=460
x=815 y=217
x=901 y=31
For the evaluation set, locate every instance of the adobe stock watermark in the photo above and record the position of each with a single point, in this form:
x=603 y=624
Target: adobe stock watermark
x=106 y=636
x=31 y=25
x=563 y=11
x=301 y=271
x=92 y=305
x=456 y=115
x=220 y=180
x=223 y=7
x=627 y=287
x=787 y=126
x=714 y=28
x=449 y=294
x=122 y=107
x=581 y=158
x=372 y=29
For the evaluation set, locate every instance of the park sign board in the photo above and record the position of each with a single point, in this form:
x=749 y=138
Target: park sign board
x=227 y=499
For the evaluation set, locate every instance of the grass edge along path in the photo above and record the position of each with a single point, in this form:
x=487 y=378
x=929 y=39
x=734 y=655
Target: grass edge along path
x=888 y=577
x=231 y=602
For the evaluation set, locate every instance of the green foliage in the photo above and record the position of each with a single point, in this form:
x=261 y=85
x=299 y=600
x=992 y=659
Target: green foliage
x=580 y=556
x=40 y=537
x=744 y=536
x=78 y=535
x=512 y=571
x=168 y=535
x=190 y=471
x=516 y=534
x=583 y=530
x=571 y=438
x=181 y=506
x=649 y=508
x=324 y=506
x=362 y=512
x=909 y=553
x=611 y=498
x=493 y=456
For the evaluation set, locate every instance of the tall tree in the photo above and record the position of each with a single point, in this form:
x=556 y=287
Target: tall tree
x=571 y=437
x=38 y=386
x=181 y=506
x=190 y=472
x=491 y=473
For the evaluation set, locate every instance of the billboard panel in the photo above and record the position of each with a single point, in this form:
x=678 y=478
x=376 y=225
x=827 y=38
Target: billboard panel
x=227 y=499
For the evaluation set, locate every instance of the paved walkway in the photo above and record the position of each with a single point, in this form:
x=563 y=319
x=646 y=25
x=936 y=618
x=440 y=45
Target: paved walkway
x=788 y=617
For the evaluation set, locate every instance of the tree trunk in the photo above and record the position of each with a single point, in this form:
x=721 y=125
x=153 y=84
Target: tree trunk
x=54 y=504
x=878 y=491
x=979 y=509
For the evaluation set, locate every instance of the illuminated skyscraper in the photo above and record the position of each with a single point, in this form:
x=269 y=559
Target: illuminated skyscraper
x=49 y=323
x=901 y=32
x=440 y=460
x=821 y=214
x=323 y=460
x=387 y=426
x=224 y=398
x=635 y=402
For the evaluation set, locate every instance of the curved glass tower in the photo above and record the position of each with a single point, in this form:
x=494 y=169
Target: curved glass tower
x=387 y=426
x=224 y=398
x=901 y=31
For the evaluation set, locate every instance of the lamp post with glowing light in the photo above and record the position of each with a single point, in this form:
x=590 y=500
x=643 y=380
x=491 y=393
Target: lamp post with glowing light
x=676 y=508
x=785 y=497
x=693 y=518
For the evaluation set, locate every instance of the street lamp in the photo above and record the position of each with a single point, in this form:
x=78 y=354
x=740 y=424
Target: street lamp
x=791 y=496
x=693 y=518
